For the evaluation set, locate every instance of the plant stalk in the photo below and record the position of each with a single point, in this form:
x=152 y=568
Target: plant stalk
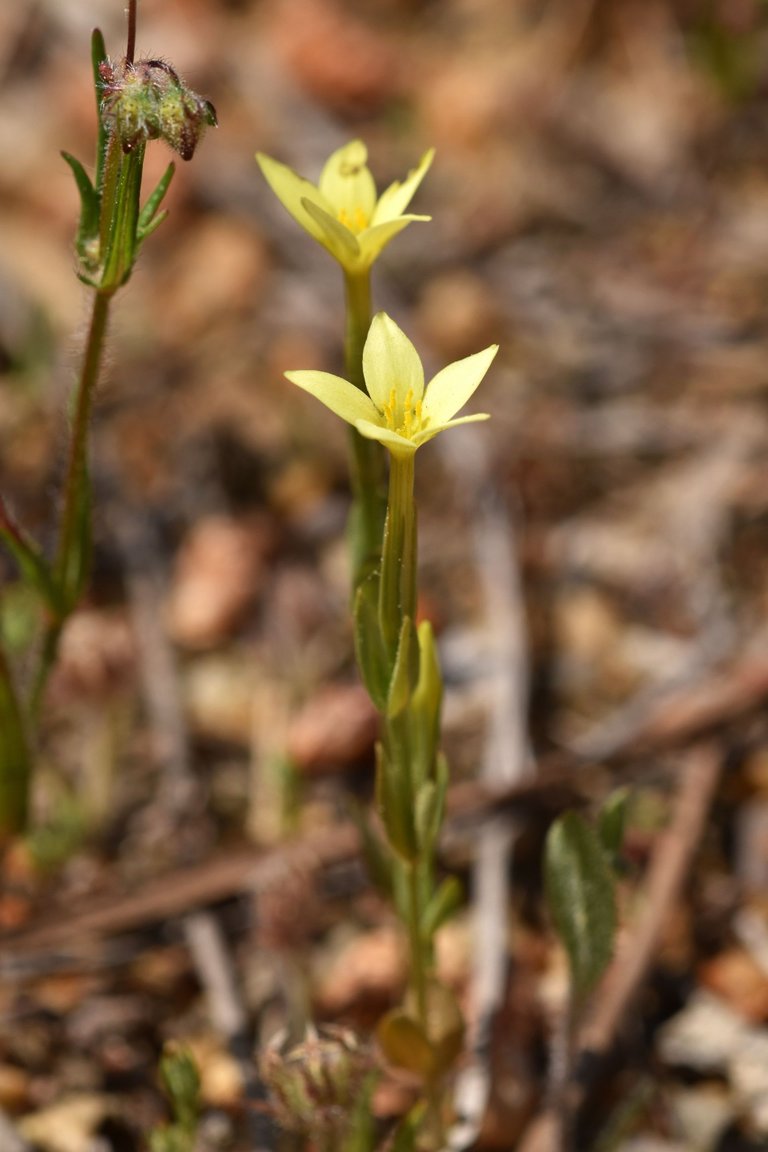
x=367 y=468
x=72 y=553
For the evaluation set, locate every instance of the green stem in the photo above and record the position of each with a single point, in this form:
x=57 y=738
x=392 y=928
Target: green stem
x=367 y=467
x=74 y=544
x=419 y=958
x=78 y=452
x=397 y=593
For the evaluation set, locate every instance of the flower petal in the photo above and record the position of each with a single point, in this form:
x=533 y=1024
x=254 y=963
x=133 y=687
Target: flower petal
x=452 y=387
x=391 y=361
x=372 y=240
x=391 y=440
x=394 y=201
x=347 y=184
x=428 y=433
x=334 y=236
x=292 y=190
x=337 y=394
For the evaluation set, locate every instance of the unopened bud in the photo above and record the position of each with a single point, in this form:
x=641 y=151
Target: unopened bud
x=147 y=100
x=316 y=1085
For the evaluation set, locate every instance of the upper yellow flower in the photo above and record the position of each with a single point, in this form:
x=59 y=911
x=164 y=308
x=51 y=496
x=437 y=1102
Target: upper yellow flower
x=399 y=410
x=343 y=212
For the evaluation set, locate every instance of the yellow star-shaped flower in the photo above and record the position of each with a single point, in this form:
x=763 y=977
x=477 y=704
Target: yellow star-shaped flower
x=343 y=212
x=398 y=409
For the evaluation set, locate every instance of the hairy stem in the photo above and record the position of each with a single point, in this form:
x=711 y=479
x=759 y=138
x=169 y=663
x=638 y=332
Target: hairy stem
x=72 y=554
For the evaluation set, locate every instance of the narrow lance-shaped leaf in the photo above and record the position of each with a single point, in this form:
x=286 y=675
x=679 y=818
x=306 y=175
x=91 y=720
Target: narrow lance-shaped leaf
x=371 y=655
x=444 y=903
x=98 y=54
x=405 y=671
x=31 y=561
x=579 y=889
x=149 y=217
x=88 y=226
x=395 y=805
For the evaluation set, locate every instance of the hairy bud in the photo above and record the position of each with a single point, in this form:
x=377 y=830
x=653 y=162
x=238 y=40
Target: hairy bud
x=147 y=100
x=316 y=1085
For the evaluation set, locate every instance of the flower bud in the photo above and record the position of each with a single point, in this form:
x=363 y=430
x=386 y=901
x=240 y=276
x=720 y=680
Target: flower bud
x=316 y=1086
x=146 y=100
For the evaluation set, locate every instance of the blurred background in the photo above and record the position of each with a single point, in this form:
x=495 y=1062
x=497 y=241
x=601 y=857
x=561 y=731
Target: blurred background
x=600 y=209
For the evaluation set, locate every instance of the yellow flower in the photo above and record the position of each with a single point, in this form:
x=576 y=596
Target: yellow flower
x=398 y=409
x=343 y=212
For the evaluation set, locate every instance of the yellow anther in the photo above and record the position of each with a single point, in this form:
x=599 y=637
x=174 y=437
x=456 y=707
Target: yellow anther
x=356 y=221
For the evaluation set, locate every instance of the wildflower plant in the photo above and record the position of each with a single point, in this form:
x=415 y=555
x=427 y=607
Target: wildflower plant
x=385 y=400
x=344 y=214
x=136 y=101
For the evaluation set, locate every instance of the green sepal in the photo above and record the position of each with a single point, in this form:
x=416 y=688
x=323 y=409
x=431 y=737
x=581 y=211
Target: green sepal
x=90 y=207
x=405 y=670
x=429 y=808
x=149 y=217
x=580 y=894
x=33 y=565
x=445 y=902
x=611 y=824
x=15 y=757
x=98 y=54
x=394 y=806
x=371 y=655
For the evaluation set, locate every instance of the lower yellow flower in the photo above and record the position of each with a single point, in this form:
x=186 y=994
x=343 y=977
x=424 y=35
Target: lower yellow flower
x=398 y=409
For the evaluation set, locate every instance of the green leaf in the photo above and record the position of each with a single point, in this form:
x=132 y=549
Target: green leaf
x=90 y=206
x=371 y=655
x=149 y=218
x=33 y=565
x=430 y=807
x=425 y=707
x=377 y=860
x=394 y=804
x=444 y=903
x=404 y=1044
x=98 y=54
x=579 y=889
x=405 y=670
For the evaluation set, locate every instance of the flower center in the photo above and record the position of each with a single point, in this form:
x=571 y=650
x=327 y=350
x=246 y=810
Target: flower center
x=356 y=220
x=403 y=419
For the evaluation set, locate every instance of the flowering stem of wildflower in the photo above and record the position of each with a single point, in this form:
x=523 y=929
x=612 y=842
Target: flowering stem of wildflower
x=74 y=540
x=397 y=596
x=366 y=456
